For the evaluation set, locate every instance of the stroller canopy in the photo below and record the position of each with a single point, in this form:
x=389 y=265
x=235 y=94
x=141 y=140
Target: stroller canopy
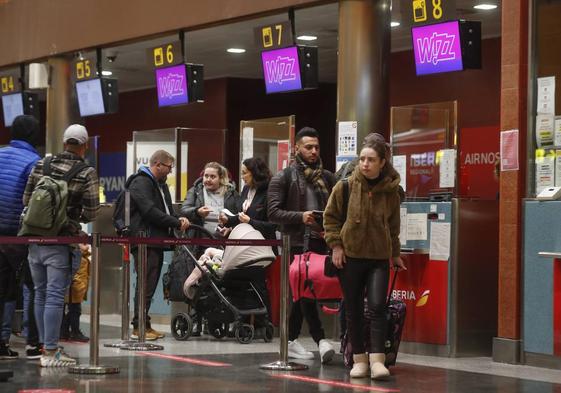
x=241 y=256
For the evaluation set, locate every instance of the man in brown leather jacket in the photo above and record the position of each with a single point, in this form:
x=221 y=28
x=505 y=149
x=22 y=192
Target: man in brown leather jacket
x=294 y=194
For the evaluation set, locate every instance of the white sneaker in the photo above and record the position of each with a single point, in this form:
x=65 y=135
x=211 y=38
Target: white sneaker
x=296 y=350
x=56 y=359
x=326 y=351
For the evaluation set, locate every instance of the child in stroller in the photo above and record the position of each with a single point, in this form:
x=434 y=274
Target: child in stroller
x=227 y=289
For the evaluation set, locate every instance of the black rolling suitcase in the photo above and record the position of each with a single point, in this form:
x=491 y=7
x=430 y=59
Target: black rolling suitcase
x=396 y=311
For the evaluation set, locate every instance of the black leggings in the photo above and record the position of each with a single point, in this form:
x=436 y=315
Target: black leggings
x=357 y=276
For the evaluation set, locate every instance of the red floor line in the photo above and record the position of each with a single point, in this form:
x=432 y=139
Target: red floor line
x=198 y=362
x=335 y=383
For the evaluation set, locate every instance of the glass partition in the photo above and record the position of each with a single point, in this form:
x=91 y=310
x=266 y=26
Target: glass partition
x=423 y=139
x=271 y=139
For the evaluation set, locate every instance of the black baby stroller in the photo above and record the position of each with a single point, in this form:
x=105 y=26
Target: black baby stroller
x=227 y=295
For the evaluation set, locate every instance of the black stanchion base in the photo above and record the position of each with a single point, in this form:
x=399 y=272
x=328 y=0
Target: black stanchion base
x=283 y=366
x=90 y=369
x=5 y=375
x=120 y=344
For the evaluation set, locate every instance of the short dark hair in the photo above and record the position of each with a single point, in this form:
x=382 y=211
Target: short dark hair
x=306 y=131
x=259 y=170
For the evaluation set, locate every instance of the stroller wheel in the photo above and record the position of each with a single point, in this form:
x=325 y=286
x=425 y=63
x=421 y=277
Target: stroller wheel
x=269 y=332
x=181 y=326
x=244 y=333
x=218 y=330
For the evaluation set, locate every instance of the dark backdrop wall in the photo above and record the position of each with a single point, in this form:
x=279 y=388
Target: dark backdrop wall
x=228 y=101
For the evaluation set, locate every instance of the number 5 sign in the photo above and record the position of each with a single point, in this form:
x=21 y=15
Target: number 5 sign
x=429 y=11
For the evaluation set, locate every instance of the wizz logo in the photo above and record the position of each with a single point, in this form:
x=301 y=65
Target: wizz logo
x=280 y=70
x=437 y=48
x=171 y=86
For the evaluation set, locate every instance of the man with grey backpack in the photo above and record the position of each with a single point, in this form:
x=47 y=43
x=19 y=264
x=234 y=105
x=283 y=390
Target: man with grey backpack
x=62 y=191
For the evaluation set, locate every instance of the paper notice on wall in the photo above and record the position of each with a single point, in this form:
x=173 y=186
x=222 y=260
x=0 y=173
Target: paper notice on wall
x=283 y=154
x=247 y=142
x=417 y=226
x=400 y=165
x=403 y=225
x=447 y=168
x=347 y=138
x=342 y=160
x=545 y=125
x=439 y=241
x=545 y=169
x=509 y=150
x=546 y=95
x=557 y=131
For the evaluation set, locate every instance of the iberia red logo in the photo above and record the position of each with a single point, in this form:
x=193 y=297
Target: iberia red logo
x=411 y=297
x=423 y=299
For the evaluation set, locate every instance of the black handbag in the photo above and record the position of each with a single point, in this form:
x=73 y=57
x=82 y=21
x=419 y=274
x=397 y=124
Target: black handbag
x=329 y=269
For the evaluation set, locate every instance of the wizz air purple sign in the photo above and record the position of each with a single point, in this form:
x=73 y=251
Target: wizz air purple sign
x=437 y=48
x=171 y=83
x=281 y=69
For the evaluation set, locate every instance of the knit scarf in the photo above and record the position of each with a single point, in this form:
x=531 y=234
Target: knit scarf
x=313 y=173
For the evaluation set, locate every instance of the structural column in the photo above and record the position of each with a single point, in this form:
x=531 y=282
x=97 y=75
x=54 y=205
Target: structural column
x=514 y=90
x=363 y=64
x=61 y=108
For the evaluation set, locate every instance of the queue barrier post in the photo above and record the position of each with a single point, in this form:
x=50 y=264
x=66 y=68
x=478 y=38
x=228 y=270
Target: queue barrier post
x=125 y=301
x=283 y=364
x=141 y=344
x=94 y=367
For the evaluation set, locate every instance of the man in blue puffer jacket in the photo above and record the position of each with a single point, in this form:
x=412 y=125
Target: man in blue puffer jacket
x=16 y=162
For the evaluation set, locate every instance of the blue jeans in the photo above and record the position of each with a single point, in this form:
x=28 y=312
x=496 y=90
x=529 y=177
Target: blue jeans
x=51 y=271
x=9 y=310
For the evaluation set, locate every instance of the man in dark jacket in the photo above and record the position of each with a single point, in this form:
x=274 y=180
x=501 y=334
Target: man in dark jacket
x=152 y=212
x=17 y=160
x=294 y=194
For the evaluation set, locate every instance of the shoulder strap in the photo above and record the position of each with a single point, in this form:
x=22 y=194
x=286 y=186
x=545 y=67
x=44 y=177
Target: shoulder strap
x=76 y=168
x=345 y=198
x=47 y=166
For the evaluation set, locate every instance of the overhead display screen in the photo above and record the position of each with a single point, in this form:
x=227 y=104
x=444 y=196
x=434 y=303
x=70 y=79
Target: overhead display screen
x=171 y=84
x=437 y=48
x=12 y=105
x=90 y=97
x=281 y=69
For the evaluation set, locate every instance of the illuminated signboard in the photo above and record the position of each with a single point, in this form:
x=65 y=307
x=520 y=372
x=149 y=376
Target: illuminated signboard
x=171 y=84
x=281 y=69
x=90 y=97
x=12 y=105
x=437 y=48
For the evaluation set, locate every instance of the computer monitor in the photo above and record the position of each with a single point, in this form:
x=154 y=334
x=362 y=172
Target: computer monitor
x=90 y=97
x=12 y=106
x=437 y=48
x=171 y=84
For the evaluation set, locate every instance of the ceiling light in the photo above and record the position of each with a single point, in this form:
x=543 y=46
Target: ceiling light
x=485 y=7
x=306 y=38
x=394 y=24
x=106 y=73
x=235 y=50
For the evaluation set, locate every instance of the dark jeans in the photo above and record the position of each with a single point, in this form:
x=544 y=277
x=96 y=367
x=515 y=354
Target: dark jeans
x=356 y=277
x=154 y=263
x=306 y=308
x=11 y=259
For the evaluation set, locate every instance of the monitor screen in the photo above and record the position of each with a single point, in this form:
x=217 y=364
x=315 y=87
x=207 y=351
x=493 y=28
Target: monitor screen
x=12 y=105
x=171 y=84
x=281 y=69
x=90 y=97
x=437 y=48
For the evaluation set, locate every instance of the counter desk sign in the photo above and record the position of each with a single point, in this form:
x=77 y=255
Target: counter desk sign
x=16 y=102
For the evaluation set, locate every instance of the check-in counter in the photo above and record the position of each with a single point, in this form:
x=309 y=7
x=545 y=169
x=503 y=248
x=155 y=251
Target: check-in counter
x=450 y=289
x=541 y=303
